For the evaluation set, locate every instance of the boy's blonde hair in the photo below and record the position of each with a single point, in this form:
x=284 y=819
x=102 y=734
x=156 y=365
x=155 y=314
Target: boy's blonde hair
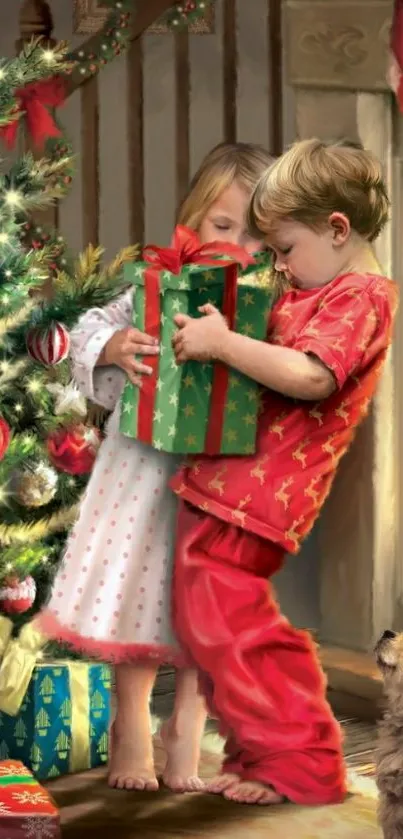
x=314 y=179
x=226 y=163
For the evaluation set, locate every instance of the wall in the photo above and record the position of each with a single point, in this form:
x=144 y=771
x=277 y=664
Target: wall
x=298 y=584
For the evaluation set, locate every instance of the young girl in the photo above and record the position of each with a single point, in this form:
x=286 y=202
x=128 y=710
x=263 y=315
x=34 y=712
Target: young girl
x=319 y=208
x=111 y=598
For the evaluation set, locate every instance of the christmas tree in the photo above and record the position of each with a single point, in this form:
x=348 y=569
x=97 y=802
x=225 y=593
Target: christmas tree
x=47 y=442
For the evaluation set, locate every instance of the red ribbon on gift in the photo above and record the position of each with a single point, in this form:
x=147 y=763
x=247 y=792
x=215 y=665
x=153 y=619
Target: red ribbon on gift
x=186 y=249
x=33 y=102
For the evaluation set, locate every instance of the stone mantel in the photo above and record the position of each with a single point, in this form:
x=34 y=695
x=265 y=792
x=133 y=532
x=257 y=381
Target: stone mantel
x=338 y=44
x=337 y=62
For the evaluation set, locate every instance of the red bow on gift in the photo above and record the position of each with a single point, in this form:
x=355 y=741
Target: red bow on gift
x=186 y=248
x=33 y=102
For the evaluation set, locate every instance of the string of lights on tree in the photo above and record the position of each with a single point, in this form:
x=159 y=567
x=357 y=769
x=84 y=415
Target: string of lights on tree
x=47 y=444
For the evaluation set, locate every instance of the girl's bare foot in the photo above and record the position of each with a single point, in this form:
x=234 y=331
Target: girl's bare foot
x=182 y=745
x=221 y=783
x=131 y=763
x=252 y=792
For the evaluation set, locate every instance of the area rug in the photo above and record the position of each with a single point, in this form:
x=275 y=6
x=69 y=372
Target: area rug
x=89 y=810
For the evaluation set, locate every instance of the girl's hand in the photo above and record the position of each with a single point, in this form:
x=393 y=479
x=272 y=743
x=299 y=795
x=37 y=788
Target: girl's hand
x=199 y=339
x=122 y=348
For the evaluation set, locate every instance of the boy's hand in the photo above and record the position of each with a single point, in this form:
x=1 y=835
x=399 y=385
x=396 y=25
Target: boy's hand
x=199 y=339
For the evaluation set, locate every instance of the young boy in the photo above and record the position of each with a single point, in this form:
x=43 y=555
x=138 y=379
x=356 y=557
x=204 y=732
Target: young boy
x=320 y=207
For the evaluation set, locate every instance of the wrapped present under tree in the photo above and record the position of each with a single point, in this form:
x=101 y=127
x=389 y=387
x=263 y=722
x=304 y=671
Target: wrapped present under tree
x=54 y=715
x=196 y=408
x=26 y=809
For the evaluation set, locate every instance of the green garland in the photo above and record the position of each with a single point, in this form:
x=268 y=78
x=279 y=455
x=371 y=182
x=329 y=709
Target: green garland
x=114 y=36
x=32 y=65
x=185 y=12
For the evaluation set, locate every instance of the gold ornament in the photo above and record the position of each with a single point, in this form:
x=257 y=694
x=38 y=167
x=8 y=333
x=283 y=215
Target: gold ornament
x=35 y=487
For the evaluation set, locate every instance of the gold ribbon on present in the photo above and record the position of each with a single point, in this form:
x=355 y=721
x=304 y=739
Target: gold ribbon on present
x=79 y=695
x=6 y=627
x=80 y=751
x=17 y=666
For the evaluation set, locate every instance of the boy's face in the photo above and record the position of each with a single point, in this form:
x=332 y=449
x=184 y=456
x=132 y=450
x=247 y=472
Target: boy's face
x=225 y=220
x=308 y=258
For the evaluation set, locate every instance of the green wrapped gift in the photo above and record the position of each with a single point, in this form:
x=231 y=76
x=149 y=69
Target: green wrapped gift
x=63 y=721
x=196 y=408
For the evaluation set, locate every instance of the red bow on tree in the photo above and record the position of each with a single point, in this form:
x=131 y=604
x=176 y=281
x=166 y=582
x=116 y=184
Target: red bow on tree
x=33 y=102
x=186 y=248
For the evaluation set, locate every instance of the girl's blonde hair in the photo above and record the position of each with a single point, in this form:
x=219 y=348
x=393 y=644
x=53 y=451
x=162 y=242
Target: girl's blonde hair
x=226 y=163
x=314 y=179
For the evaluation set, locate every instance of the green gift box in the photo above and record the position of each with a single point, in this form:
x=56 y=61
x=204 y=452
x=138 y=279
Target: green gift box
x=62 y=724
x=195 y=408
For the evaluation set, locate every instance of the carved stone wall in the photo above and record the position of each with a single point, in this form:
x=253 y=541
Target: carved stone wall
x=338 y=43
x=337 y=53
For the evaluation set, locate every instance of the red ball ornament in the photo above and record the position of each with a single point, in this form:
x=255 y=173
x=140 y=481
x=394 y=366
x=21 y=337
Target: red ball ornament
x=73 y=450
x=49 y=346
x=4 y=437
x=17 y=596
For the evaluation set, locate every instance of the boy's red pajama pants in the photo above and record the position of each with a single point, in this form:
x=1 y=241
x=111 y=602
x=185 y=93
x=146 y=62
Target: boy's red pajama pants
x=261 y=677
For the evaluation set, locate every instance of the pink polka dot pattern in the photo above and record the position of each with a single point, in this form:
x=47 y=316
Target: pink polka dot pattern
x=115 y=586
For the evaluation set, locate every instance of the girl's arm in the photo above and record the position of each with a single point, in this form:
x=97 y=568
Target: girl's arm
x=88 y=339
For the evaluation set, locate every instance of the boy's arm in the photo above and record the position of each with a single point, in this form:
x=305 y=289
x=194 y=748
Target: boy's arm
x=291 y=372
x=345 y=331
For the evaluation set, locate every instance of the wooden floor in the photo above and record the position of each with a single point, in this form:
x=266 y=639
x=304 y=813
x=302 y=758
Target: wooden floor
x=89 y=810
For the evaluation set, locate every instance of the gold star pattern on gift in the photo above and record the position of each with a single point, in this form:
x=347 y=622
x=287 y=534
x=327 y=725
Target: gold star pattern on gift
x=182 y=395
x=190 y=440
x=231 y=406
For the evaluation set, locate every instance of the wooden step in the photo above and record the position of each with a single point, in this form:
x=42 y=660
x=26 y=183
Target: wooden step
x=354 y=682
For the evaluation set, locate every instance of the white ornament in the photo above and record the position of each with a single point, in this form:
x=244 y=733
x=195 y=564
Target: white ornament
x=68 y=399
x=25 y=590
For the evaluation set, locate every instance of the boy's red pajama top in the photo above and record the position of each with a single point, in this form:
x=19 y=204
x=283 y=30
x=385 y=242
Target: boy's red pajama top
x=262 y=676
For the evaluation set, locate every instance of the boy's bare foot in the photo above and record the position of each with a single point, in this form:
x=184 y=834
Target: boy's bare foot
x=252 y=792
x=131 y=764
x=222 y=782
x=183 y=753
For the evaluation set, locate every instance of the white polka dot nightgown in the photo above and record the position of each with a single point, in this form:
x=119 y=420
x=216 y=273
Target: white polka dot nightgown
x=111 y=596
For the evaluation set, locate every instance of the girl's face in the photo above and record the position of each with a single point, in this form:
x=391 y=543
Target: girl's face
x=225 y=220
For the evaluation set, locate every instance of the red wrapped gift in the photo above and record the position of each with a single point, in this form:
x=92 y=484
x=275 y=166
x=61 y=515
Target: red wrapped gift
x=26 y=809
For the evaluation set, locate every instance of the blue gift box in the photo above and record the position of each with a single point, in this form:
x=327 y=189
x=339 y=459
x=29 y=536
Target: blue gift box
x=63 y=723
